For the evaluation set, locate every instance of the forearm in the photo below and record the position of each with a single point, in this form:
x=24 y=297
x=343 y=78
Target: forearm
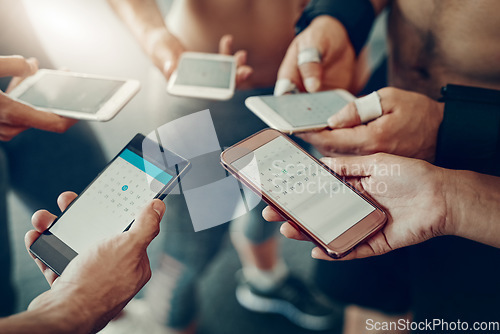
x=473 y=202
x=143 y=18
x=48 y=320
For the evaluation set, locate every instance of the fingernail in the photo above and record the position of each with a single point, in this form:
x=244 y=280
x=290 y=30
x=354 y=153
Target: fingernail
x=282 y=229
x=332 y=121
x=312 y=84
x=159 y=207
x=284 y=86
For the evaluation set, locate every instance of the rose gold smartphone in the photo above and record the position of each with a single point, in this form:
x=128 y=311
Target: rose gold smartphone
x=334 y=215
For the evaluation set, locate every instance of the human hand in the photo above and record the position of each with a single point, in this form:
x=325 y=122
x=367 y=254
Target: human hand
x=97 y=284
x=411 y=191
x=243 y=71
x=338 y=60
x=408 y=127
x=16 y=117
x=166 y=51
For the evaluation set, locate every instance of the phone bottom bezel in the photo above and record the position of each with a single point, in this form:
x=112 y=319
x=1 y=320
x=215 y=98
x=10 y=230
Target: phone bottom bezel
x=209 y=93
x=48 y=246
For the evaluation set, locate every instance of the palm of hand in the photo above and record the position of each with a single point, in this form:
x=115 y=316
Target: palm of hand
x=414 y=205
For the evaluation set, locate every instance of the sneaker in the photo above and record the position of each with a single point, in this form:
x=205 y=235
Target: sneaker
x=294 y=300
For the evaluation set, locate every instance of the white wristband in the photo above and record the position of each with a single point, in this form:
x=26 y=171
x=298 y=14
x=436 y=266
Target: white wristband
x=369 y=107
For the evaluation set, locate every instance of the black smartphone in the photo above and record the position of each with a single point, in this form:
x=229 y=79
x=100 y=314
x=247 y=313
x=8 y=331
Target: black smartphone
x=142 y=171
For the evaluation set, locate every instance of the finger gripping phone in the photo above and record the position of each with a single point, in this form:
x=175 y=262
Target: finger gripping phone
x=317 y=201
x=142 y=171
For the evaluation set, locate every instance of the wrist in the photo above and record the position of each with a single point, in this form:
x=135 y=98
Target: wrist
x=83 y=310
x=59 y=314
x=155 y=37
x=450 y=192
x=164 y=49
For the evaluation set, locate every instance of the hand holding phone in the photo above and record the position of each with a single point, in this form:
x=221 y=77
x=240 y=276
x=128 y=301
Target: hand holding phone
x=17 y=116
x=143 y=170
x=76 y=95
x=328 y=210
x=338 y=59
x=105 y=277
x=294 y=113
x=413 y=193
x=204 y=75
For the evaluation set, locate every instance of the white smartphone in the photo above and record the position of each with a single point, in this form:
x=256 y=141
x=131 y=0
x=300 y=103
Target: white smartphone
x=299 y=112
x=204 y=75
x=313 y=198
x=76 y=95
x=143 y=170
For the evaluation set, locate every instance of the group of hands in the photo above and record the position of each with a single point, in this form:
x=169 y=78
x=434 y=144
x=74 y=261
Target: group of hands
x=407 y=128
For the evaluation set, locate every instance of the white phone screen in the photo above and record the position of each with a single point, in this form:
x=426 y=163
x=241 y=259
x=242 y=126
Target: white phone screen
x=305 y=189
x=306 y=109
x=204 y=73
x=111 y=202
x=73 y=93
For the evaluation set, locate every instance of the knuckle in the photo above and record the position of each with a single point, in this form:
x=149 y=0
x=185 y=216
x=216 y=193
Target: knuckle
x=387 y=92
x=378 y=141
x=26 y=67
x=6 y=115
x=327 y=149
x=12 y=132
x=22 y=65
